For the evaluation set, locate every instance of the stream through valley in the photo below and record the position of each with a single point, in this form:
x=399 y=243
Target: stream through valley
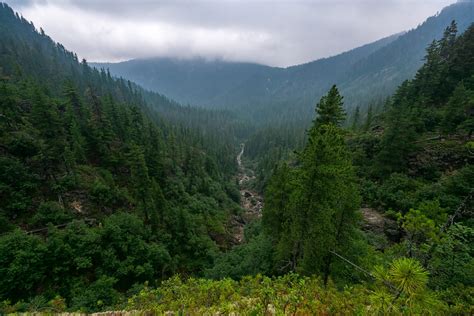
x=250 y=200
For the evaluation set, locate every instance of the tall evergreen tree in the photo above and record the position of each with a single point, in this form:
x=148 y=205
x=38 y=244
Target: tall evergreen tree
x=447 y=41
x=321 y=214
x=356 y=118
x=140 y=180
x=329 y=108
x=368 y=119
x=457 y=111
x=328 y=201
x=278 y=215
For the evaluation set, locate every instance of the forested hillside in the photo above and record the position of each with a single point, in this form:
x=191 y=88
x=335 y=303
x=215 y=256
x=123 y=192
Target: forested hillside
x=410 y=168
x=102 y=184
x=251 y=90
x=408 y=250
x=117 y=198
x=195 y=81
x=281 y=95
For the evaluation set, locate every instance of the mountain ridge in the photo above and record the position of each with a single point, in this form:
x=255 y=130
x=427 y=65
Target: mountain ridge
x=264 y=93
x=249 y=70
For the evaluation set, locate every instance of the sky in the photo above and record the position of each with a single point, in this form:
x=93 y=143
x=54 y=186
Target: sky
x=276 y=33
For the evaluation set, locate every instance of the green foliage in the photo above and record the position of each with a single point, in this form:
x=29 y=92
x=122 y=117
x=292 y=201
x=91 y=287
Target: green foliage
x=22 y=267
x=453 y=258
x=99 y=295
x=311 y=209
x=17 y=185
x=292 y=294
x=108 y=189
x=456 y=116
x=399 y=139
x=418 y=229
x=460 y=299
x=356 y=119
x=50 y=213
x=251 y=258
x=434 y=211
x=408 y=276
x=368 y=119
x=274 y=96
x=136 y=185
x=402 y=289
x=413 y=158
x=329 y=109
x=398 y=192
x=438 y=99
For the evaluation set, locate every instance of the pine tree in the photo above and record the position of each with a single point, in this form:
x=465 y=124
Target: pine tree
x=447 y=41
x=45 y=118
x=140 y=180
x=318 y=216
x=328 y=201
x=458 y=107
x=278 y=214
x=160 y=206
x=368 y=119
x=398 y=140
x=356 y=119
x=329 y=108
x=430 y=75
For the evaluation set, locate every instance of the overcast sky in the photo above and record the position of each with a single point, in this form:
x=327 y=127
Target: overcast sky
x=278 y=33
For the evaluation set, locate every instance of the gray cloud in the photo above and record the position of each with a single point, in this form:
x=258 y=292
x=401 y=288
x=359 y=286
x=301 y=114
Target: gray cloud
x=278 y=33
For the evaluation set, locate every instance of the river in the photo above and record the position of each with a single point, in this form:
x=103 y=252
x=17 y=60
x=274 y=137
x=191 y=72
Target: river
x=250 y=200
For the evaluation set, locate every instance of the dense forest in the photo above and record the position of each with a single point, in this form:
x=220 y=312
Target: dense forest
x=103 y=185
x=412 y=163
x=272 y=96
x=116 y=197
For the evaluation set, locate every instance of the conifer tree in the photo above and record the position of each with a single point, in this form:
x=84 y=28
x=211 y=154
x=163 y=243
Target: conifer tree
x=398 y=141
x=328 y=201
x=329 y=108
x=368 y=120
x=429 y=76
x=140 y=180
x=458 y=107
x=356 y=119
x=447 y=41
x=318 y=216
x=278 y=215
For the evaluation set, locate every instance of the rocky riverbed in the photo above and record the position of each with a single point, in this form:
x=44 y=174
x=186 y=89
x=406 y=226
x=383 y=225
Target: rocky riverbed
x=250 y=200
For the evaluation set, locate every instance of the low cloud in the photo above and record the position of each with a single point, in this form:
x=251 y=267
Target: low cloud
x=279 y=33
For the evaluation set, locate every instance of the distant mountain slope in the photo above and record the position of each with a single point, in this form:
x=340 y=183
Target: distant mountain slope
x=282 y=91
x=216 y=83
x=366 y=73
x=382 y=71
x=195 y=81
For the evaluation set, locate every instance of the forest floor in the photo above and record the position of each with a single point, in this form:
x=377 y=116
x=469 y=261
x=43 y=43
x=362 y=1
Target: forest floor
x=250 y=200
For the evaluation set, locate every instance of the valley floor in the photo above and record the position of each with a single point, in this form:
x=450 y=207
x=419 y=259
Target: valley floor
x=250 y=200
